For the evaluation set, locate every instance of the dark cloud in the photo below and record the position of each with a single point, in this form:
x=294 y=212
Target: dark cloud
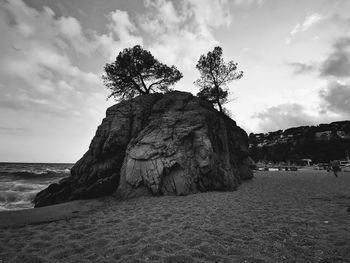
x=40 y=71
x=301 y=68
x=340 y=20
x=10 y=18
x=336 y=98
x=283 y=116
x=337 y=64
x=6 y=104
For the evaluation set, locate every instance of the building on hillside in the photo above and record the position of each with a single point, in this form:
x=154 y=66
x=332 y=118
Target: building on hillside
x=306 y=162
x=323 y=136
x=343 y=135
x=340 y=134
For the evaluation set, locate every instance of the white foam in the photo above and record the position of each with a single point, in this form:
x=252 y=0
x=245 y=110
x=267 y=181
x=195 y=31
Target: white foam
x=12 y=199
x=19 y=183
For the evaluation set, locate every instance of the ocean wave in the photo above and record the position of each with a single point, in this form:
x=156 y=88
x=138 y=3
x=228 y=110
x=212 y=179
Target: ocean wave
x=19 y=195
x=36 y=174
x=22 y=186
x=20 y=182
x=26 y=186
x=7 y=197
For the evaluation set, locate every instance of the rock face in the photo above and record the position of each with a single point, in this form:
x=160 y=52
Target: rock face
x=157 y=144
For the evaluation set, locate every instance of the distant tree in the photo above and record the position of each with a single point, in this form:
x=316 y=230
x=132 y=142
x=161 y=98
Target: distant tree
x=215 y=74
x=135 y=71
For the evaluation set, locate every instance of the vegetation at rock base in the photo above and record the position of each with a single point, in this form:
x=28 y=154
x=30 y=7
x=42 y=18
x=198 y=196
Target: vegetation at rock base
x=135 y=71
x=320 y=143
x=215 y=75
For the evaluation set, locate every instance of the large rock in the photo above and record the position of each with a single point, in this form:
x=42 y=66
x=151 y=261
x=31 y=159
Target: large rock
x=157 y=144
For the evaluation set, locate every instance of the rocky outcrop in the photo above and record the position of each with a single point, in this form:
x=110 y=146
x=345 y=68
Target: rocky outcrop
x=157 y=144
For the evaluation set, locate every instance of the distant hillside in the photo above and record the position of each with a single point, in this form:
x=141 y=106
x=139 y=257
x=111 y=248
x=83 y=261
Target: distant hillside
x=320 y=143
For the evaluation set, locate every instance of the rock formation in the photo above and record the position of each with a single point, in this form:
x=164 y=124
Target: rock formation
x=157 y=144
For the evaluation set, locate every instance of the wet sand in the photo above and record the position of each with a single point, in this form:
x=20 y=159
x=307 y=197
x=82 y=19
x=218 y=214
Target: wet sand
x=277 y=217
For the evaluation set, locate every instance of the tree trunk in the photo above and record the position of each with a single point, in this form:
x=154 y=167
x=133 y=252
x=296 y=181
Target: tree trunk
x=218 y=98
x=220 y=107
x=144 y=85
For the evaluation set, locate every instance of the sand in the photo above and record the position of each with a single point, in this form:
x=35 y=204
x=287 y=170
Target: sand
x=277 y=217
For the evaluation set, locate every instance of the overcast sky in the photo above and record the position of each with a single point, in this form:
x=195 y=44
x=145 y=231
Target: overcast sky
x=295 y=55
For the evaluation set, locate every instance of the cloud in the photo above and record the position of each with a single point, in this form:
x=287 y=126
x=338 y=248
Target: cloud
x=335 y=68
x=308 y=22
x=210 y=13
x=337 y=64
x=71 y=32
x=336 y=98
x=50 y=63
x=179 y=35
x=41 y=52
x=248 y=2
x=339 y=20
x=121 y=35
x=12 y=130
x=302 y=68
x=284 y=116
x=39 y=69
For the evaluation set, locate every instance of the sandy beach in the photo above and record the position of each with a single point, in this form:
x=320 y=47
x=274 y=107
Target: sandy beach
x=277 y=217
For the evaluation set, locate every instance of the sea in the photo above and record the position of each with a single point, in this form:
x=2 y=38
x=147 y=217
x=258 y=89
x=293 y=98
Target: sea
x=20 y=182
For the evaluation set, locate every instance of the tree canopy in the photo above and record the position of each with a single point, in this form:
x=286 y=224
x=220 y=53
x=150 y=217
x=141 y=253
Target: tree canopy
x=215 y=74
x=135 y=71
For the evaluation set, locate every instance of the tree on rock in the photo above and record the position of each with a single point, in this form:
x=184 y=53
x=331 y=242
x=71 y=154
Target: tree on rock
x=215 y=74
x=135 y=71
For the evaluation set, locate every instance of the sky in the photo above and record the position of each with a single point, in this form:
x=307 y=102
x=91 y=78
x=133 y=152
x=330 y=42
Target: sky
x=295 y=55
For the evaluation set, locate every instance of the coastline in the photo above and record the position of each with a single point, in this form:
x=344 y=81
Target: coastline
x=276 y=217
